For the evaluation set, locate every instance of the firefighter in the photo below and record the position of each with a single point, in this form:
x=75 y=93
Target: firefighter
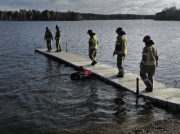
x=81 y=74
x=93 y=46
x=48 y=37
x=58 y=38
x=149 y=63
x=120 y=50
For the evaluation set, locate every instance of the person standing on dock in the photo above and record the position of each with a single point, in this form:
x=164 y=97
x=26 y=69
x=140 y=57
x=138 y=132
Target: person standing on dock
x=149 y=63
x=93 y=46
x=120 y=50
x=58 y=38
x=48 y=37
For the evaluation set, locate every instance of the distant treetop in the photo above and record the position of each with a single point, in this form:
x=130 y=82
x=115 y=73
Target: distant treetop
x=35 y=15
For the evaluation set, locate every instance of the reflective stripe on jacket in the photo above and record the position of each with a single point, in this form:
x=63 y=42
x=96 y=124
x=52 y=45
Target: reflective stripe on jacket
x=93 y=42
x=83 y=74
x=121 y=45
x=48 y=35
x=58 y=35
x=149 y=56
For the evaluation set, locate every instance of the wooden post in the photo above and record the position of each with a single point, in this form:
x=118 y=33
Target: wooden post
x=66 y=47
x=137 y=86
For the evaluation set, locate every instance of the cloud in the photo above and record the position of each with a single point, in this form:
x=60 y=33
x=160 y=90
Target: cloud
x=92 y=6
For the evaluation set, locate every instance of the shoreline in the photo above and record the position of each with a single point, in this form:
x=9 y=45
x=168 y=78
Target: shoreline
x=160 y=126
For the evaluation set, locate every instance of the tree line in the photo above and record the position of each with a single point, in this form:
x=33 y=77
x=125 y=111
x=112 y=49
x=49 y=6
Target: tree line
x=171 y=13
x=35 y=15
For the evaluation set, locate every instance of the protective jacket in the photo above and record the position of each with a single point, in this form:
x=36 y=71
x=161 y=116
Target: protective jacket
x=149 y=56
x=81 y=74
x=58 y=35
x=121 y=45
x=48 y=35
x=93 y=42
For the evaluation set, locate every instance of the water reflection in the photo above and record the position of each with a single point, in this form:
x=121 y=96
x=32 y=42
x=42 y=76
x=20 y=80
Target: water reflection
x=121 y=111
x=93 y=91
x=132 y=114
x=68 y=104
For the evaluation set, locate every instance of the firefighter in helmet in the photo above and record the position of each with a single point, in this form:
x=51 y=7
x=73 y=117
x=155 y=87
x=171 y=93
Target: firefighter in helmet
x=120 y=50
x=149 y=63
x=58 y=38
x=48 y=37
x=93 y=46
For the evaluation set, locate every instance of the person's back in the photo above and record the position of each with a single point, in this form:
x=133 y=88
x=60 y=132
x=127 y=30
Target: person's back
x=150 y=53
x=48 y=37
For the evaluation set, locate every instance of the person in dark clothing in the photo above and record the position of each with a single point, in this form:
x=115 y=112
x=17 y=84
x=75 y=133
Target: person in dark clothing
x=48 y=37
x=58 y=38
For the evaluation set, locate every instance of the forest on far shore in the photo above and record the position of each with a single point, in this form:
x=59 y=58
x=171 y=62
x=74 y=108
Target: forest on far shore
x=171 y=13
x=46 y=15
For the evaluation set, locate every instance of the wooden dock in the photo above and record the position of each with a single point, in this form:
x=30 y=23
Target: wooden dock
x=167 y=97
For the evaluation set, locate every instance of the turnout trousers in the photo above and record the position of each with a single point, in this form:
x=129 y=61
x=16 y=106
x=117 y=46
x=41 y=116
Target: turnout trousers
x=120 y=64
x=92 y=54
x=49 y=45
x=58 y=46
x=150 y=71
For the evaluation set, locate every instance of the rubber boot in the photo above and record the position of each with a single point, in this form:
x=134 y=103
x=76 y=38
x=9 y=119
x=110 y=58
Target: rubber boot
x=94 y=62
x=119 y=75
x=149 y=88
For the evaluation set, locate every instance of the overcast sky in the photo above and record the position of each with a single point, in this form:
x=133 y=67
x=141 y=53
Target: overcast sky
x=92 y=6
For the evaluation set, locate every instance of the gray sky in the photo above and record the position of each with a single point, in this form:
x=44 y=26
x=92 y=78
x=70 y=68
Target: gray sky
x=92 y=6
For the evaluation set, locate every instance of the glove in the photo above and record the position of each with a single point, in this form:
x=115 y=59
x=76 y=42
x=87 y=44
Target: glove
x=156 y=64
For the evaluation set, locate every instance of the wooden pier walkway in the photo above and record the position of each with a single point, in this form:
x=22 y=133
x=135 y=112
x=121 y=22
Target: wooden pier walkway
x=168 y=97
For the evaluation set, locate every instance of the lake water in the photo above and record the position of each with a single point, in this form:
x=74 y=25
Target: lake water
x=37 y=95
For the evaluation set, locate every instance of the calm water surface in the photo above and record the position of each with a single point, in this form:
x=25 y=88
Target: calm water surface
x=37 y=95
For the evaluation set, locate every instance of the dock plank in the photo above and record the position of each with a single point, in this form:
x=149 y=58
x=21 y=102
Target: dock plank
x=161 y=94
